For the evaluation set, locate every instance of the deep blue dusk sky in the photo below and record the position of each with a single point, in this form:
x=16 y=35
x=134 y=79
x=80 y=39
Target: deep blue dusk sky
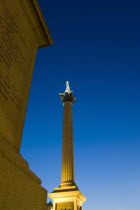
x=97 y=48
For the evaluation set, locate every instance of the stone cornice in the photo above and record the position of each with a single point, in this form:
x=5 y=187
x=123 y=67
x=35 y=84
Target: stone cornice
x=37 y=22
x=61 y=195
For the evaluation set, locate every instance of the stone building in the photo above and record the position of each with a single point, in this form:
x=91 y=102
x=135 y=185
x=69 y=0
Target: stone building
x=22 y=31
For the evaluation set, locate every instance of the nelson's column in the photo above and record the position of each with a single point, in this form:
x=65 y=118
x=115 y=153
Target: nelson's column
x=67 y=196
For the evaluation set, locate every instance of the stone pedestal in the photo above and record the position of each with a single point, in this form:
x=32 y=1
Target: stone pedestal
x=68 y=198
x=22 y=31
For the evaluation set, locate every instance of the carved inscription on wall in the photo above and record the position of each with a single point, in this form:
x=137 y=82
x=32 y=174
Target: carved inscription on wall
x=13 y=56
x=9 y=91
x=17 y=53
x=10 y=50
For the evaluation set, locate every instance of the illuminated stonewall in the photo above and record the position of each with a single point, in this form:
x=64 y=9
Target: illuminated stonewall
x=22 y=31
x=67 y=196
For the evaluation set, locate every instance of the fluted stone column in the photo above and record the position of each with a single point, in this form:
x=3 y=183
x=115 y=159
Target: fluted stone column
x=67 y=174
x=67 y=195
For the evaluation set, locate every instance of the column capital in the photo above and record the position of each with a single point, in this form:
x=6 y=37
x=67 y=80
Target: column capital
x=67 y=95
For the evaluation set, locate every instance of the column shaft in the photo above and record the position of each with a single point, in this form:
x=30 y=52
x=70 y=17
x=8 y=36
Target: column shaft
x=67 y=150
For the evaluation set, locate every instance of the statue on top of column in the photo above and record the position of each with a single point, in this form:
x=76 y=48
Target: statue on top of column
x=68 y=95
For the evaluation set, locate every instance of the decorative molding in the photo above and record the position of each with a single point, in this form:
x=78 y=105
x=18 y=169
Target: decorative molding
x=36 y=20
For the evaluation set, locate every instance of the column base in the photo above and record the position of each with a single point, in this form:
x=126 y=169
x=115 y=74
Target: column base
x=68 y=184
x=70 y=198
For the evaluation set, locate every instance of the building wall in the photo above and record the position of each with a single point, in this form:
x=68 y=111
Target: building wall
x=18 y=190
x=22 y=31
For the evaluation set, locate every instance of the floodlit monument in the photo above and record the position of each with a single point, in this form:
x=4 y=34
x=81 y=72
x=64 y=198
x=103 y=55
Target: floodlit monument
x=67 y=196
x=22 y=31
